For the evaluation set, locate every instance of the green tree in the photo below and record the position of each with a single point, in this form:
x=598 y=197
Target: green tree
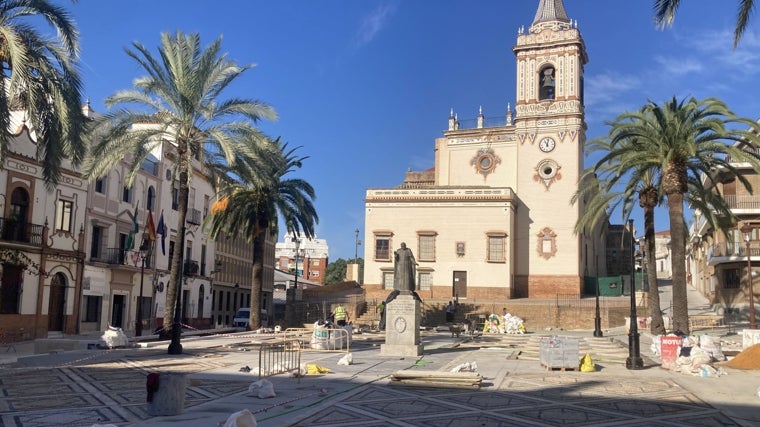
x=665 y=14
x=608 y=195
x=255 y=199
x=336 y=271
x=177 y=105
x=39 y=77
x=617 y=187
x=684 y=141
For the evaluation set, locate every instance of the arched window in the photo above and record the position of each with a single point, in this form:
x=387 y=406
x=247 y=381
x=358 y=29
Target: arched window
x=15 y=226
x=546 y=83
x=151 y=202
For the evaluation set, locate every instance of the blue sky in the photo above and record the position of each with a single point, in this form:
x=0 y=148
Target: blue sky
x=364 y=87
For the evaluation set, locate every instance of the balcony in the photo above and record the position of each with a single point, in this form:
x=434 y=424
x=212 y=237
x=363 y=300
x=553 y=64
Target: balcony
x=743 y=202
x=731 y=252
x=118 y=256
x=193 y=216
x=191 y=268
x=22 y=232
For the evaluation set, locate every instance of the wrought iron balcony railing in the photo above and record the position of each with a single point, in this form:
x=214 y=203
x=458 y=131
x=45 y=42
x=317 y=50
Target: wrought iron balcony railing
x=742 y=202
x=193 y=216
x=733 y=250
x=23 y=232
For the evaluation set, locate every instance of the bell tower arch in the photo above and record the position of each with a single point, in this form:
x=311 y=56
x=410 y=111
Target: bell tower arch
x=550 y=132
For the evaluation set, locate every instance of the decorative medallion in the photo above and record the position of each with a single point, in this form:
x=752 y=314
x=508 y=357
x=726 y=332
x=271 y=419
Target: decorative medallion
x=547 y=172
x=485 y=161
x=400 y=325
x=546 y=243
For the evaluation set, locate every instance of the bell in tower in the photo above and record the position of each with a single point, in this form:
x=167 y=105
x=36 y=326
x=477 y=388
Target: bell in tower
x=546 y=91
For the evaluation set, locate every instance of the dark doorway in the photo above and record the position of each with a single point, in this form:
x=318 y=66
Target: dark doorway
x=10 y=289
x=117 y=311
x=57 y=303
x=460 y=284
x=185 y=307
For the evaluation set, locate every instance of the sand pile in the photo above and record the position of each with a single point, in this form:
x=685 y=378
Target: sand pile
x=747 y=359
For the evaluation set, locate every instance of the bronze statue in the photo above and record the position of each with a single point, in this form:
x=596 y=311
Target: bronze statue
x=404 y=274
x=404 y=269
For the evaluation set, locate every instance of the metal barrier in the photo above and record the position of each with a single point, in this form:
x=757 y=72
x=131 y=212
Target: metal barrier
x=321 y=339
x=279 y=358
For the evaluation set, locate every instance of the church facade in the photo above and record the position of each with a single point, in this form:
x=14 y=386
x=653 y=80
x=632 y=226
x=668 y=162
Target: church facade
x=493 y=218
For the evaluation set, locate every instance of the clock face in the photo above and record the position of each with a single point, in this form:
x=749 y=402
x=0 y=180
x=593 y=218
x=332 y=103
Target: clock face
x=546 y=145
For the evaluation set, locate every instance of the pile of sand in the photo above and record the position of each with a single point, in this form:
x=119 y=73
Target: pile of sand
x=749 y=358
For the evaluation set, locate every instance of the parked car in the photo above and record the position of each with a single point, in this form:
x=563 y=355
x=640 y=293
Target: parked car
x=241 y=318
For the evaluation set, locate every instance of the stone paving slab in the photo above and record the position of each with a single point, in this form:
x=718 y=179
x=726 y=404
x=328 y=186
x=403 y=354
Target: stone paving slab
x=84 y=388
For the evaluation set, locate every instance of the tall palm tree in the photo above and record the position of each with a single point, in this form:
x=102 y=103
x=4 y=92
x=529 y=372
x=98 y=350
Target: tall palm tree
x=39 y=77
x=610 y=192
x=665 y=14
x=255 y=199
x=178 y=101
x=616 y=187
x=685 y=140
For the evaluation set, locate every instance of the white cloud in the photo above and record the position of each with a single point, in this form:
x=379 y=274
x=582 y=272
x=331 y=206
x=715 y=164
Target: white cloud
x=608 y=87
x=672 y=66
x=373 y=24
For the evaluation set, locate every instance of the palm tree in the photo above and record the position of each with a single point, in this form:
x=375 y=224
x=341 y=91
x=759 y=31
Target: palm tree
x=39 y=77
x=255 y=199
x=178 y=101
x=615 y=187
x=665 y=14
x=608 y=195
x=685 y=141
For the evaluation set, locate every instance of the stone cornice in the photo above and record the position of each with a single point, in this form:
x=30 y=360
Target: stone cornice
x=440 y=194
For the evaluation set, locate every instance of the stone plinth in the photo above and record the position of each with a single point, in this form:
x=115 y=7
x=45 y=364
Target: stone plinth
x=750 y=337
x=402 y=327
x=169 y=399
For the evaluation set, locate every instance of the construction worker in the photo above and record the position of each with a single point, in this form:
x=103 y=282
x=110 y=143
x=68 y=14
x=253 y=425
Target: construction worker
x=340 y=314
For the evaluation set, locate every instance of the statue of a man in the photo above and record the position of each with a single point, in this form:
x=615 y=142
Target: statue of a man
x=404 y=269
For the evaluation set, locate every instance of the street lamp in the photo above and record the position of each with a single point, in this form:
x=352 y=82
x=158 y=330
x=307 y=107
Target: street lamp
x=747 y=232
x=597 y=315
x=634 y=360
x=290 y=309
x=356 y=246
x=145 y=252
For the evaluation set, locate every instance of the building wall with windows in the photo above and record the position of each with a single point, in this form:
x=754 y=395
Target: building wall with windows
x=493 y=218
x=718 y=260
x=40 y=242
x=313 y=257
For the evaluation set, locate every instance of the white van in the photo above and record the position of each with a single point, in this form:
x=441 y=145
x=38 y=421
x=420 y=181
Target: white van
x=242 y=317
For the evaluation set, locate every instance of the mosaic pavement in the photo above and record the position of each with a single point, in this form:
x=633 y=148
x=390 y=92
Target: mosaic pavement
x=525 y=400
x=107 y=389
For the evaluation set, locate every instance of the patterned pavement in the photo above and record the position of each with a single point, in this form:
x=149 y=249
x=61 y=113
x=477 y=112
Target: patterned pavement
x=93 y=390
x=108 y=387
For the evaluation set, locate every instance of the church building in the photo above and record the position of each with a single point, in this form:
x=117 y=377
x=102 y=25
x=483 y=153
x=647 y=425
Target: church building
x=493 y=219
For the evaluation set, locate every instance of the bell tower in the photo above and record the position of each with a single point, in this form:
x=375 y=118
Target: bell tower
x=550 y=133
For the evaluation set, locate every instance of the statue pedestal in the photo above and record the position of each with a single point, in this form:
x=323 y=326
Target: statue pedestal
x=402 y=327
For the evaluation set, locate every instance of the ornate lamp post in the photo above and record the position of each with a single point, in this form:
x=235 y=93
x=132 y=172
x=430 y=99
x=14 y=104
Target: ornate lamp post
x=597 y=315
x=747 y=232
x=634 y=360
x=356 y=246
x=145 y=252
x=290 y=309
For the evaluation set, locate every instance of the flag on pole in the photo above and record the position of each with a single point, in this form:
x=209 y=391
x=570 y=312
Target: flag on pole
x=135 y=229
x=162 y=231
x=150 y=229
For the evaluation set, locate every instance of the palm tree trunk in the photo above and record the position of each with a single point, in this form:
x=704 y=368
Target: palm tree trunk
x=258 y=279
x=678 y=268
x=657 y=325
x=178 y=255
